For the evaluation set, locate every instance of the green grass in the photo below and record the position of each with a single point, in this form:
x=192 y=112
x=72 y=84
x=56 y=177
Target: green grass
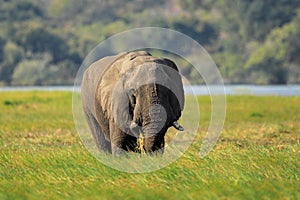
x=256 y=157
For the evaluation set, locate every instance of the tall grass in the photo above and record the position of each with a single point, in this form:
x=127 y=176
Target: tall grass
x=257 y=156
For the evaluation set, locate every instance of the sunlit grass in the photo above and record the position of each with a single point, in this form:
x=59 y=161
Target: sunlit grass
x=256 y=157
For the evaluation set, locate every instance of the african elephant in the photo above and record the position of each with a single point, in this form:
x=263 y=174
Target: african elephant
x=129 y=94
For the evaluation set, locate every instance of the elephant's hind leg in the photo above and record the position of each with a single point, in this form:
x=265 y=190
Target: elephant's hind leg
x=102 y=143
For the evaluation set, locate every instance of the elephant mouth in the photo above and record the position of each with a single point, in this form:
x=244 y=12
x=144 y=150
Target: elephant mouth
x=136 y=130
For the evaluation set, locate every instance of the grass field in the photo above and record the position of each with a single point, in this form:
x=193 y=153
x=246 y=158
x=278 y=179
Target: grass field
x=256 y=157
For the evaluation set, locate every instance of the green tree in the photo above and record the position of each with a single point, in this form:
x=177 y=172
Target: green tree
x=2 y=45
x=28 y=72
x=12 y=55
x=15 y=10
x=252 y=41
x=280 y=49
x=41 y=41
x=249 y=22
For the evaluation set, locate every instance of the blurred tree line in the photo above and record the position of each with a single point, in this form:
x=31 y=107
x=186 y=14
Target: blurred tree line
x=43 y=42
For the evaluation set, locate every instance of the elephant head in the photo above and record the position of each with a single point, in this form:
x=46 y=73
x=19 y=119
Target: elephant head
x=148 y=98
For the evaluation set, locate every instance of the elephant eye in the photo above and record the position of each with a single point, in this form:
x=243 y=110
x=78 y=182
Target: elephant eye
x=131 y=92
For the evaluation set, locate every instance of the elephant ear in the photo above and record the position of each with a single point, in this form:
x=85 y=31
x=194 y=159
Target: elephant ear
x=120 y=106
x=176 y=86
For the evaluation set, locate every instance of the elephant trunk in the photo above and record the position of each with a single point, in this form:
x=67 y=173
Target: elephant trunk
x=155 y=120
x=153 y=116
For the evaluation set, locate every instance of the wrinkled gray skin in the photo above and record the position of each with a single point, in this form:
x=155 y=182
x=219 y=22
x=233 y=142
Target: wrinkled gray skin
x=129 y=94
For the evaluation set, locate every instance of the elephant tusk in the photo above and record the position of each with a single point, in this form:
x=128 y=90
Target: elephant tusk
x=177 y=126
x=135 y=129
x=133 y=125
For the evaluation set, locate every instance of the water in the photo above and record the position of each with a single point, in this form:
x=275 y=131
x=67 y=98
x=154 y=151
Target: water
x=36 y=88
x=277 y=90
x=258 y=90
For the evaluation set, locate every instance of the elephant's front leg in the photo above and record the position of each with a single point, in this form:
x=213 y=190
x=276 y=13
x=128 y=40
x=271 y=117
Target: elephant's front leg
x=121 y=142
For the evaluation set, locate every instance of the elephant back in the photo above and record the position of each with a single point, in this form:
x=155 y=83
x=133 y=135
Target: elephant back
x=112 y=75
x=91 y=79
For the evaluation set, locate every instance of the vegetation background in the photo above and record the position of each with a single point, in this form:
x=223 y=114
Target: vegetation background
x=43 y=42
